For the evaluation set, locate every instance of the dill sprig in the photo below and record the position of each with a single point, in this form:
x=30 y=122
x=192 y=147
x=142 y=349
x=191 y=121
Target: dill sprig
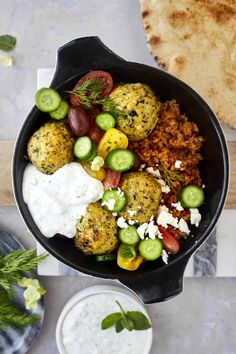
x=14 y=264
x=89 y=93
x=13 y=267
x=11 y=315
x=169 y=176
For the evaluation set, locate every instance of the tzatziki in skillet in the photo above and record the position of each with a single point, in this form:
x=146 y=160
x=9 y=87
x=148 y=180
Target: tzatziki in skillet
x=57 y=201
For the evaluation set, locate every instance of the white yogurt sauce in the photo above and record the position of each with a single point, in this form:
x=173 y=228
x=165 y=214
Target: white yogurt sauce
x=57 y=201
x=81 y=329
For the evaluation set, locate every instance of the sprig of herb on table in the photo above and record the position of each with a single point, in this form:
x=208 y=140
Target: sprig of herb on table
x=169 y=176
x=130 y=320
x=89 y=93
x=13 y=268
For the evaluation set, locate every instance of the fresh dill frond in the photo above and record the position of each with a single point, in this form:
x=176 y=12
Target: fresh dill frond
x=88 y=92
x=169 y=176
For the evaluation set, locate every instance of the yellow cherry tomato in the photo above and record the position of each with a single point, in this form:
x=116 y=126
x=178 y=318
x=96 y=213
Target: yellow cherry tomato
x=112 y=139
x=131 y=263
x=100 y=174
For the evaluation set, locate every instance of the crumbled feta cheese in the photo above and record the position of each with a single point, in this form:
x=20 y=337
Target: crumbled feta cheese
x=131 y=222
x=152 y=230
x=109 y=204
x=195 y=217
x=183 y=226
x=165 y=189
x=177 y=206
x=165 y=218
x=164 y=256
x=142 y=230
x=155 y=173
x=114 y=214
x=178 y=163
x=152 y=218
x=159 y=234
x=142 y=167
x=120 y=192
x=203 y=186
x=121 y=222
x=163 y=208
x=131 y=212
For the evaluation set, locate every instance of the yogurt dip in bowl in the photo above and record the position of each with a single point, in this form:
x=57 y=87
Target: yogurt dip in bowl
x=79 y=324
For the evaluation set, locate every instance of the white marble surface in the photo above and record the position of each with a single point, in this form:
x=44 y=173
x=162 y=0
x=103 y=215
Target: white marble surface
x=203 y=318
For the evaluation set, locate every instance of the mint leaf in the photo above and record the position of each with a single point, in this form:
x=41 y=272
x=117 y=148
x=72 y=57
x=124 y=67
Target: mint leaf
x=119 y=326
x=127 y=323
x=139 y=320
x=7 y=42
x=110 y=320
x=126 y=251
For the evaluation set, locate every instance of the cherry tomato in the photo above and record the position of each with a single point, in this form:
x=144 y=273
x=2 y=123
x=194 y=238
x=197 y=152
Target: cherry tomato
x=102 y=76
x=100 y=175
x=79 y=120
x=137 y=162
x=170 y=243
x=112 y=179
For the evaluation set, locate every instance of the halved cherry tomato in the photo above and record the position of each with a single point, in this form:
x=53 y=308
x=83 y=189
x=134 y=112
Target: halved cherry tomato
x=94 y=132
x=111 y=140
x=100 y=175
x=112 y=179
x=102 y=76
x=170 y=243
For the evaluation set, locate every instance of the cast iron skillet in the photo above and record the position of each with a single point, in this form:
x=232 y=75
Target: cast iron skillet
x=153 y=281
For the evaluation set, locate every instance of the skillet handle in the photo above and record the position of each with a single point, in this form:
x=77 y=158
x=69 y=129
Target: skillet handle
x=80 y=55
x=158 y=286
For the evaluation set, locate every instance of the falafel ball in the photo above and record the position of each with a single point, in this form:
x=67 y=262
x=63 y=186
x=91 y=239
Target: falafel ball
x=96 y=231
x=143 y=194
x=141 y=107
x=51 y=147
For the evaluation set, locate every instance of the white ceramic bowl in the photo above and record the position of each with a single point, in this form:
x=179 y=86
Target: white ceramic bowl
x=93 y=291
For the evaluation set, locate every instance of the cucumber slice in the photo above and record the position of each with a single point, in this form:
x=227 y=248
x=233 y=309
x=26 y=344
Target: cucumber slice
x=84 y=148
x=61 y=111
x=94 y=154
x=150 y=249
x=191 y=196
x=47 y=99
x=114 y=200
x=129 y=236
x=105 y=121
x=120 y=160
x=105 y=257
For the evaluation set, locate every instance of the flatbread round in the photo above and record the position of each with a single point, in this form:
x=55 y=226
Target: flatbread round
x=195 y=40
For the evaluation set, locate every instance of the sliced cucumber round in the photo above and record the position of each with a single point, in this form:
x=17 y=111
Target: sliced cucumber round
x=191 y=196
x=120 y=160
x=61 y=111
x=129 y=236
x=84 y=148
x=47 y=99
x=114 y=200
x=150 y=249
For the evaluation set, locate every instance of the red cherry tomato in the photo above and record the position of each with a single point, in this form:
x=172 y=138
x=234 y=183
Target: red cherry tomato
x=112 y=179
x=102 y=76
x=94 y=132
x=170 y=243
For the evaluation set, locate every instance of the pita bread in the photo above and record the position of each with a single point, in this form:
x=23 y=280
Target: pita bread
x=195 y=40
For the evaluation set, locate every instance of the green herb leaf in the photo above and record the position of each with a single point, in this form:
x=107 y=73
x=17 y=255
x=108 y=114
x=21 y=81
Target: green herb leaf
x=127 y=323
x=139 y=320
x=127 y=251
x=7 y=43
x=119 y=326
x=110 y=320
x=170 y=177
